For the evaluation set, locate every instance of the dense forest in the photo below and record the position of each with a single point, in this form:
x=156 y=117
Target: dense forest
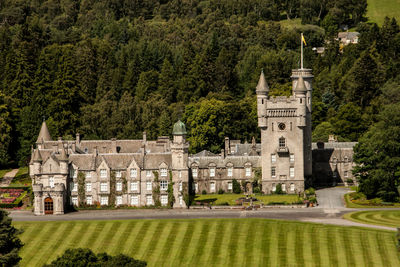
x=115 y=68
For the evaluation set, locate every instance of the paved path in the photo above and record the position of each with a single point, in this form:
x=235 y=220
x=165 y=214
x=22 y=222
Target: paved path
x=7 y=178
x=330 y=211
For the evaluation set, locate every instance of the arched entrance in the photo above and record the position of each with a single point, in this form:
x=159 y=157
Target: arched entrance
x=48 y=205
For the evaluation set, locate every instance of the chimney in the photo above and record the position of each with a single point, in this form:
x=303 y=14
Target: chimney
x=227 y=146
x=113 y=145
x=78 y=139
x=144 y=137
x=222 y=153
x=95 y=151
x=332 y=139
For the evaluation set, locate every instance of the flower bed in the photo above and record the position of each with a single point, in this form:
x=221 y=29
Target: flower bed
x=11 y=197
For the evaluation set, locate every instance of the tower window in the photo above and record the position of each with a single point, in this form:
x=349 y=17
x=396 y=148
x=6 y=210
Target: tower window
x=282 y=142
x=273 y=171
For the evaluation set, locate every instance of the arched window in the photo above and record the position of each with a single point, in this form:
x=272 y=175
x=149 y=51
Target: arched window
x=282 y=142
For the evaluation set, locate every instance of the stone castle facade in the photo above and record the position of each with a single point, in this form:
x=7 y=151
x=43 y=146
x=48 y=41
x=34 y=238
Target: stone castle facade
x=127 y=172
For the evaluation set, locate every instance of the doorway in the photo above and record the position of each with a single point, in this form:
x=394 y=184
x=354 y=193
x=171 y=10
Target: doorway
x=48 y=205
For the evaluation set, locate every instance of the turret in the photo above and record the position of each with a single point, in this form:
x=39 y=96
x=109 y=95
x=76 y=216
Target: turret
x=300 y=93
x=37 y=162
x=262 y=91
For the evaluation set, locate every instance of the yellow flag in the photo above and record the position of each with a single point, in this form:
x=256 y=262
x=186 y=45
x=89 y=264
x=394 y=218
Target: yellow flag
x=304 y=40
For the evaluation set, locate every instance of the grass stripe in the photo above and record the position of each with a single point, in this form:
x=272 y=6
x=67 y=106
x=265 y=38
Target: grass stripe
x=331 y=240
x=366 y=249
x=124 y=233
x=169 y=243
x=282 y=245
x=107 y=243
x=348 y=248
x=201 y=242
x=138 y=240
x=155 y=239
x=190 y=229
x=233 y=243
x=213 y=258
x=315 y=246
x=95 y=234
x=249 y=245
x=266 y=244
x=298 y=248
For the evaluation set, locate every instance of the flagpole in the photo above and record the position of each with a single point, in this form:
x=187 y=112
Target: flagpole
x=301 y=41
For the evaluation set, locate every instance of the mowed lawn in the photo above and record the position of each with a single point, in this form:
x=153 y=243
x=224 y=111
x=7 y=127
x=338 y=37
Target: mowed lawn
x=218 y=199
x=213 y=242
x=390 y=218
x=377 y=10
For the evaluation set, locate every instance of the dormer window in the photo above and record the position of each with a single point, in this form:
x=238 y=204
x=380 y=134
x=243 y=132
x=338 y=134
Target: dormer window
x=118 y=174
x=230 y=171
x=51 y=181
x=103 y=173
x=163 y=172
x=212 y=172
x=194 y=172
x=133 y=173
x=248 y=171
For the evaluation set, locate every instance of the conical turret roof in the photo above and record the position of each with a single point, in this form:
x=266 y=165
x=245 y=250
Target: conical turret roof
x=262 y=85
x=300 y=86
x=44 y=134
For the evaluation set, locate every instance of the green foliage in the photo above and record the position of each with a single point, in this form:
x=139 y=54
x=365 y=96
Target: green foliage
x=81 y=188
x=170 y=191
x=377 y=158
x=80 y=257
x=221 y=191
x=10 y=243
x=112 y=197
x=278 y=190
x=156 y=190
x=236 y=188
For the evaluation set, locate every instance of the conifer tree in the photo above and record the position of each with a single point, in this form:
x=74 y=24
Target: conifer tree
x=10 y=244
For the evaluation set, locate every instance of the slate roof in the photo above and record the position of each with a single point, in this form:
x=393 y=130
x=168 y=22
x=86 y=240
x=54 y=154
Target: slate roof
x=44 y=134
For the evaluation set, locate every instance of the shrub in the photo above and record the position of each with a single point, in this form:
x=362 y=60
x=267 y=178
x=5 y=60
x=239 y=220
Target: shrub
x=224 y=204
x=256 y=190
x=221 y=191
x=349 y=181
x=310 y=191
x=279 y=190
x=204 y=192
x=376 y=201
x=313 y=200
x=236 y=188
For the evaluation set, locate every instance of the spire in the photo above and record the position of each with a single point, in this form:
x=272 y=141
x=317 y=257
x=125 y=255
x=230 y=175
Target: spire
x=44 y=134
x=36 y=156
x=300 y=86
x=262 y=86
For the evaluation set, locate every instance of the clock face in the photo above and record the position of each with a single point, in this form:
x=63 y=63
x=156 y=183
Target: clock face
x=281 y=126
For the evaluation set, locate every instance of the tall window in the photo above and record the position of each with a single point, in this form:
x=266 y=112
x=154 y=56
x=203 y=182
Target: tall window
x=212 y=187
x=181 y=200
x=346 y=174
x=74 y=186
x=51 y=181
x=230 y=171
x=180 y=186
x=163 y=172
x=88 y=174
x=134 y=186
x=148 y=173
x=118 y=186
x=163 y=185
x=103 y=173
x=89 y=200
x=273 y=187
x=284 y=187
x=273 y=158
x=149 y=185
x=212 y=172
x=133 y=173
x=164 y=200
x=229 y=185
x=103 y=187
x=119 y=200
x=74 y=201
x=291 y=171
x=104 y=200
x=196 y=187
x=88 y=187
x=273 y=171
x=134 y=200
x=282 y=142
x=118 y=174
x=149 y=200
x=194 y=172
x=72 y=172
x=291 y=158
x=248 y=171
x=292 y=187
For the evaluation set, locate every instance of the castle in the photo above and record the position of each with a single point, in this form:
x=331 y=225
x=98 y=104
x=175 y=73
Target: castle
x=138 y=172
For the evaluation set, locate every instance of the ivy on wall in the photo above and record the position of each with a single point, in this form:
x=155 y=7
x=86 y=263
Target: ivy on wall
x=170 y=190
x=81 y=188
x=156 y=190
x=111 y=202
